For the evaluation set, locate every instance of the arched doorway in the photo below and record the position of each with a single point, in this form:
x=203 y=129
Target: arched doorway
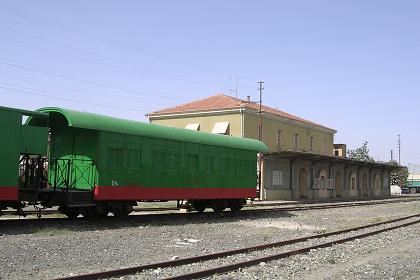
x=365 y=191
x=323 y=176
x=323 y=191
x=303 y=183
x=352 y=184
x=338 y=189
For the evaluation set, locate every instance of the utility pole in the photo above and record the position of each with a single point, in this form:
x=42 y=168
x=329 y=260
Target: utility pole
x=260 y=88
x=260 y=137
x=399 y=148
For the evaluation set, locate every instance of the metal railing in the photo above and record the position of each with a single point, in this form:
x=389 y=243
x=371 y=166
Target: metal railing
x=70 y=174
x=32 y=171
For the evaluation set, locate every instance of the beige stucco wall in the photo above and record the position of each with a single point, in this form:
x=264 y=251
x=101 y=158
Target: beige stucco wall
x=272 y=125
x=206 y=122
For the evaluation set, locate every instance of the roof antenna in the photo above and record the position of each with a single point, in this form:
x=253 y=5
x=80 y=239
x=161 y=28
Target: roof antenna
x=231 y=90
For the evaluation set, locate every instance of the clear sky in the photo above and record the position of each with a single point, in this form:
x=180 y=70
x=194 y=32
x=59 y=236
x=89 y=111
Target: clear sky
x=350 y=65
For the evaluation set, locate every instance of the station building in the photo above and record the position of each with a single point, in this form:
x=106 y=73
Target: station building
x=303 y=162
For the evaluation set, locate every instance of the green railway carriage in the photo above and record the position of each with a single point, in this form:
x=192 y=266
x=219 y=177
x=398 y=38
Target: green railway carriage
x=109 y=164
x=20 y=146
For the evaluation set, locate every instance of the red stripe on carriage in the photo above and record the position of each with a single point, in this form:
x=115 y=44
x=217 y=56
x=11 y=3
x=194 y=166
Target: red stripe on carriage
x=142 y=193
x=8 y=193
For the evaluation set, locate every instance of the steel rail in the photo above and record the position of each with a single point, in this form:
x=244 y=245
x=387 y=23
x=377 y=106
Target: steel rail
x=350 y=200
x=329 y=206
x=232 y=267
x=191 y=260
x=151 y=217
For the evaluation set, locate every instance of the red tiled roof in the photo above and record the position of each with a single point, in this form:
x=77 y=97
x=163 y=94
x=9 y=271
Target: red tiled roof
x=222 y=101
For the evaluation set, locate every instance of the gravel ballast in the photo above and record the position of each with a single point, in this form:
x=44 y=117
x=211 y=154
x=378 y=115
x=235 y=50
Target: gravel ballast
x=72 y=247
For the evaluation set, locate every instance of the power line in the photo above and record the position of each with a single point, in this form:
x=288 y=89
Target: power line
x=74 y=89
x=102 y=63
x=90 y=35
x=69 y=99
x=71 y=29
x=88 y=82
x=14 y=31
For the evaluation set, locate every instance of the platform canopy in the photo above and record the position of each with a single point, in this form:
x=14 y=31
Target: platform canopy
x=290 y=155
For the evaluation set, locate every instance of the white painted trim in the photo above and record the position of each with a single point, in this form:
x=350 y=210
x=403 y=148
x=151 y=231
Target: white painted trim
x=194 y=113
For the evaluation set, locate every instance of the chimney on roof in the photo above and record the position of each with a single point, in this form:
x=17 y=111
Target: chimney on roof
x=340 y=150
x=248 y=98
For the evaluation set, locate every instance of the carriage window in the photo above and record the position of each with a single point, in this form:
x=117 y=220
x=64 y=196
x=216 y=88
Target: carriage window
x=209 y=165
x=115 y=157
x=232 y=166
x=133 y=158
x=223 y=165
x=192 y=163
x=158 y=160
x=172 y=161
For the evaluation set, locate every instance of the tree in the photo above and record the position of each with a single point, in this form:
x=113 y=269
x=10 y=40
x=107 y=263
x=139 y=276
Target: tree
x=400 y=175
x=361 y=153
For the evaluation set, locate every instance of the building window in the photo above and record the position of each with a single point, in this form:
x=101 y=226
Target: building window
x=279 y=142
x=278 y=178
x=311 y=144
x=193 y=126
x=221 y=128
x=296 y=141
x=259 y=132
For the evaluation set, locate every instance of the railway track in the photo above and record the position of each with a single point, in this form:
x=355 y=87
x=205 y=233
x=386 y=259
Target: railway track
x=335 y=205
x=349 y=235
x=250 y=207
x=151 y=214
